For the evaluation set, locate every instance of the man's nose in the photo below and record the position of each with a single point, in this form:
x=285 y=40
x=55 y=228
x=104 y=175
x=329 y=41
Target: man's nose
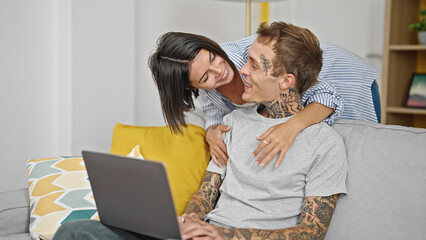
x=244 y=70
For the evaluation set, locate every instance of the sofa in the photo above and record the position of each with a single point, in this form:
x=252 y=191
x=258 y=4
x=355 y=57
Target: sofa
x=386 y=186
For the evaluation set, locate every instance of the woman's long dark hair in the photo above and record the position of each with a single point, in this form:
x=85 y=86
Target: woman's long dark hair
x=169 y=65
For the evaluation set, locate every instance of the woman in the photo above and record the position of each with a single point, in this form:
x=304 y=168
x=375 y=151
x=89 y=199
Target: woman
x=187 y=64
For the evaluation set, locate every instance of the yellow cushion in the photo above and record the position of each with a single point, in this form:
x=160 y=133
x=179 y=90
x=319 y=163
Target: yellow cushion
x=186 y=156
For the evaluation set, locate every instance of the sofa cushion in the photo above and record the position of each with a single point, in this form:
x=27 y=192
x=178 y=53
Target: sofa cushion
x=186 y=156
x=386 y=183
x=14 y=212
x=19 y=236
x=59 y=191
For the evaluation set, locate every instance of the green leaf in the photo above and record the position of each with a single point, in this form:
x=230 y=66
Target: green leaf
x=419 y=26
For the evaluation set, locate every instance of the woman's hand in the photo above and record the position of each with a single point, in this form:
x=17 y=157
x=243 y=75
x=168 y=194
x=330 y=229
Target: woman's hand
x=199 y=230
x=218 y=150
x=277 y=140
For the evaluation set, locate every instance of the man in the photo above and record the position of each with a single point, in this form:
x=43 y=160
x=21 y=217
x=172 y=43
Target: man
x=295 y=200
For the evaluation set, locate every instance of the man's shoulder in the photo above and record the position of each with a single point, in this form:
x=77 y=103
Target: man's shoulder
x=322 y=132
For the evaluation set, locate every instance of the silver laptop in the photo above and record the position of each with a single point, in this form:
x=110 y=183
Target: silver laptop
x=132 y=194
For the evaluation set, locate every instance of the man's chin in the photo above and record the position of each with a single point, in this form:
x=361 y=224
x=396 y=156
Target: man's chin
x=246 y=97
x=249 y=99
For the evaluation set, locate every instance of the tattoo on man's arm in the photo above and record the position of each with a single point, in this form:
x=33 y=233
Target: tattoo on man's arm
x=255 y=234
x=206 y=197
x=266 y=63
x=317 y=212
x=314 y=221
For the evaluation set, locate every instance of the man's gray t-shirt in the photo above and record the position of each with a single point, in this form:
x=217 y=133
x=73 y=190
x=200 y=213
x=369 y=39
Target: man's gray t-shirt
x=272 y=197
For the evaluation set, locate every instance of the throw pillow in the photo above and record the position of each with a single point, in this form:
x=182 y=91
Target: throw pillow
x=136 y=153
x=59 y=192
x=186 y=156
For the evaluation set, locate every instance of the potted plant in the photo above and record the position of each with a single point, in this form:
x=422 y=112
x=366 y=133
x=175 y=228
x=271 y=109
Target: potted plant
x=420 y=27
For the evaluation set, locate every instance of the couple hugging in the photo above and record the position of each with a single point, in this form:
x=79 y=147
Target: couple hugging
x=242 y=196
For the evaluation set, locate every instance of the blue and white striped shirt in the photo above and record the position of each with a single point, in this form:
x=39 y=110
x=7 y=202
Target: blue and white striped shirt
x=344 y=76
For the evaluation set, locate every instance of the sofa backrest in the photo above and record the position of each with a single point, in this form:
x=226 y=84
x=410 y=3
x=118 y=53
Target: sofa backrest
x=386 y=183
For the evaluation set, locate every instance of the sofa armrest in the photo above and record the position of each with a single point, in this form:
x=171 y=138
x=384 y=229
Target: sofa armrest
x=14 y=212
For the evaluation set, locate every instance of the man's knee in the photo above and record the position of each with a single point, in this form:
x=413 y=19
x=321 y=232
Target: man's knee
x=92 y=230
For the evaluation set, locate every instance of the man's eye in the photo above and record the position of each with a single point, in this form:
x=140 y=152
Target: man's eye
x=253 y=66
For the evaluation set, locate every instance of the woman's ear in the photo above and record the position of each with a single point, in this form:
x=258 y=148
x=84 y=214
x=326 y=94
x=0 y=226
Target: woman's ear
x=288 y=80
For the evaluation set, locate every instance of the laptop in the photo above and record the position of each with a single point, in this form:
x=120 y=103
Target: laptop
x=132 y=194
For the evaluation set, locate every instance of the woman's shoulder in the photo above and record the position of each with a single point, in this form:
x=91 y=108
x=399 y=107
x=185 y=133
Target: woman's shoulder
x=341 y=61
x=239 y=44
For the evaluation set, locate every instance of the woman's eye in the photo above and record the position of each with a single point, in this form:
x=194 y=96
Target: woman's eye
x=253 y=66
x=212 y=56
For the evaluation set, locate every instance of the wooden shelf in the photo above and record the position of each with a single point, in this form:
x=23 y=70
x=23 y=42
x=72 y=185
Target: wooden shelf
x=407 y=47
x=402 y=56
x=404 y=110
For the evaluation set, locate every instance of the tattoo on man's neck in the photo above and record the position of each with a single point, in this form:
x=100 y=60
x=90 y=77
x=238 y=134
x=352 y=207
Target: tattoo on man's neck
x=266 y=63
x=288 y=105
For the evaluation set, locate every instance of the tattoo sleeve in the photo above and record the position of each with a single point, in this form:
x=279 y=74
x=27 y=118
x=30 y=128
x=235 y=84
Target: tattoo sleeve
x=314 y=221
x=204 y=200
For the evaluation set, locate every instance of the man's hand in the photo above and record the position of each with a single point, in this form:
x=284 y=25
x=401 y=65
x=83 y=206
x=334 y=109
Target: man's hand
x=199 y=230
x=218 y=150
x=276 y=140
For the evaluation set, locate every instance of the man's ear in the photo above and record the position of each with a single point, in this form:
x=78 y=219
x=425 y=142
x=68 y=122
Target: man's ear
x=288 y=80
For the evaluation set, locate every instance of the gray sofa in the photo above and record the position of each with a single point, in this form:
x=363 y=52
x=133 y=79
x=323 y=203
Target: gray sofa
x=14 y=215
x=386 y=184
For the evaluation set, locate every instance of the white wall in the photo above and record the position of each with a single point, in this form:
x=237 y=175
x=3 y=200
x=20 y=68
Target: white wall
x=103 y=60
x=27 y=87
x=71 y=69
x=67 y=75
